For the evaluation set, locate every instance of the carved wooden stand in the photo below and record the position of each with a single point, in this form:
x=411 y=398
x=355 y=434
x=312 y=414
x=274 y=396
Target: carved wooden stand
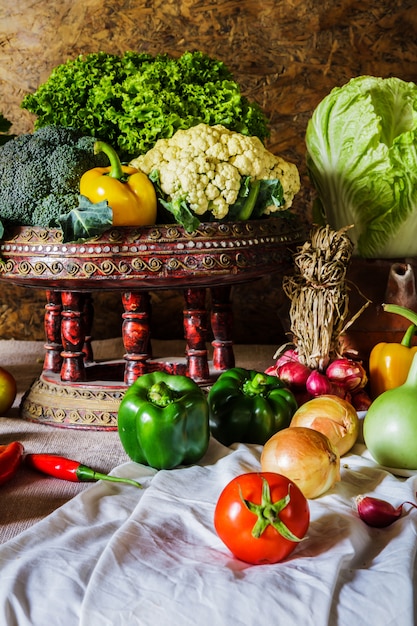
x=69 y=353
x=73 y=389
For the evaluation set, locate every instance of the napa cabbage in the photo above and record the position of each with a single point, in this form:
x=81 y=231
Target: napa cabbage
x=362 y=160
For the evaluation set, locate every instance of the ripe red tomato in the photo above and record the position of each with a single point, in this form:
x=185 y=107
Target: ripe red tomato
x=263 y=492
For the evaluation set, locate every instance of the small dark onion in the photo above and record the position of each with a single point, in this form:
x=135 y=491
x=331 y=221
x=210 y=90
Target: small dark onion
x=361 y=400
x=378 y=513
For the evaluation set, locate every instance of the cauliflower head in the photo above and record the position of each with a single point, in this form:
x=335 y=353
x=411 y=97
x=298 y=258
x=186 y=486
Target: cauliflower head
x=206 y=165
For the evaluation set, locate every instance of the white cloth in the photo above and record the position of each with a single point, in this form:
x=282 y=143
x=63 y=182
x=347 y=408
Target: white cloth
x=119 y=556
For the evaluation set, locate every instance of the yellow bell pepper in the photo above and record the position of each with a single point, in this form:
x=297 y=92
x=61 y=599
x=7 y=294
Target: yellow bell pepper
x=128 y=191
x=389 y=363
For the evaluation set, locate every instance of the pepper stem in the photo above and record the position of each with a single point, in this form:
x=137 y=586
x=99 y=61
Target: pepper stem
x=410 y=315
x=268 y=513
x=161 y=394
x=116 y=170
x=257 y=385
x=85 y=473
x=408 y=336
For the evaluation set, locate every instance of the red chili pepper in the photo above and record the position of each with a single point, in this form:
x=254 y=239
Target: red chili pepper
x=10 y=459
x=67 y=469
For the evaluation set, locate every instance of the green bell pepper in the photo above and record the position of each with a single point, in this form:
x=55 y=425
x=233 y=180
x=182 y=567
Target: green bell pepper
x=248 y=406
x=163 y=420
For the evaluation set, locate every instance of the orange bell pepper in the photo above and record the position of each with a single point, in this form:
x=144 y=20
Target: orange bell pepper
x=389 y=363
x=128 y=191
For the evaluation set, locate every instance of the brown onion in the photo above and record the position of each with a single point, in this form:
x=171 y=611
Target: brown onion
x=305 y=456
x=333 y=416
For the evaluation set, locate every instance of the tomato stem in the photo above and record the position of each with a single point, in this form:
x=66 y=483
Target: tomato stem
x=268 y=513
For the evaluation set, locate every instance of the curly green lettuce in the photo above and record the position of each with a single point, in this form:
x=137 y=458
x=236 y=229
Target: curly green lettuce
x=133 y=100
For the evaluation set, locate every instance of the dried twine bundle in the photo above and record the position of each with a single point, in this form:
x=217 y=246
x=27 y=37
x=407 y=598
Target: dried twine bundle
x=319 y=295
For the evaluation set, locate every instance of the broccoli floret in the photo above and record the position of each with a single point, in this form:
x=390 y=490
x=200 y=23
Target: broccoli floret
x=47 y=211
x=40 y=174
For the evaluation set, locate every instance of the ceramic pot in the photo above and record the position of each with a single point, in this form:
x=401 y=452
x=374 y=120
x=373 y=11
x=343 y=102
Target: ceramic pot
x=379 y=281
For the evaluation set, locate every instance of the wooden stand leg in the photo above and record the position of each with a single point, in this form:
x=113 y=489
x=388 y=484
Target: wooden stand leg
x=88 y=316
x=222 y=327
x=73 y=335
x=136 y=334
x=52 y=324
x=195 y=330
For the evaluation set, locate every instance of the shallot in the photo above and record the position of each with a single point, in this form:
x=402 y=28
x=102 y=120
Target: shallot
x=378 y=513
x=293 y=374
x=347 y=372
x=318 y=384
x=360 y=400
x=284 y=357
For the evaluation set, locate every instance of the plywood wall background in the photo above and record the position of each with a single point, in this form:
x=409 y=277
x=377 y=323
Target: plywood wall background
x=286 y=54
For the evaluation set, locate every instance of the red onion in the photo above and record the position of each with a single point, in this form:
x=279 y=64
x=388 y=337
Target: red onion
x=378 y=513
x=318 y=384
x=361 y=400
x=347 y=372
x=287 y=356
x=271 y=371
x=293 y=373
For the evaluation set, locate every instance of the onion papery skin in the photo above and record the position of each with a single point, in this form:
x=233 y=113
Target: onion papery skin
x=305 y=456
x=333 y=416
x=294 y=374
x=348 y=373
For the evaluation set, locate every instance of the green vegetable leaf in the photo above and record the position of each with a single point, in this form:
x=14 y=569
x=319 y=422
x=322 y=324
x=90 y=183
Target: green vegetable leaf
x=182 y=213
x=271 y=193
x=362 y=159
x=254 y=197
x=244 y=206
x=88 y=220
x=133 y=100
x=178 y=208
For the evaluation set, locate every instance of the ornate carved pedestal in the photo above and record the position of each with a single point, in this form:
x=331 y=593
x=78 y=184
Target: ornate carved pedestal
x=76 y=391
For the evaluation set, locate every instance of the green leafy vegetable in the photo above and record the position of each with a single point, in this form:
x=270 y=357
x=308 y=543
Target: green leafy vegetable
x=207 y=173
x=40 y=174
x=255 y=196
x=87 y=220
x=130 y=101
x=362 y=158
x=178 y=207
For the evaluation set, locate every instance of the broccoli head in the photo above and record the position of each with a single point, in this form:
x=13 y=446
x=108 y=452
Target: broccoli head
x=40 y=174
